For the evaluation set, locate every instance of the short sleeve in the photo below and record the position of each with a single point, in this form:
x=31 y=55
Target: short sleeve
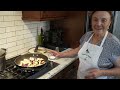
x=82 y=38
x=114 y=58
x=116 y=51
x=85 y=37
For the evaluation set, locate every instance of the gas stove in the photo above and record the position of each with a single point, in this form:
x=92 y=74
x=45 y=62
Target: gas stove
x=13 y=72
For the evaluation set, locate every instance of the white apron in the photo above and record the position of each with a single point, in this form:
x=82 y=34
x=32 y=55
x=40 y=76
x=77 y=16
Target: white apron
x=88 y=56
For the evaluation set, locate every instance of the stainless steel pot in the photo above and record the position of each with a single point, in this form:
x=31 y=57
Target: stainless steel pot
x=2 y=59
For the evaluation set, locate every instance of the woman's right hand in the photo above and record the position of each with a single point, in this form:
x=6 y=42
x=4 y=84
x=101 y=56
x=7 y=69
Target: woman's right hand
x=56 y=53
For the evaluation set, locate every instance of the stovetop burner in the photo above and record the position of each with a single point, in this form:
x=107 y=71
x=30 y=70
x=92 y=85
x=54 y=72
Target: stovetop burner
x=13 y=72
x=6 y=75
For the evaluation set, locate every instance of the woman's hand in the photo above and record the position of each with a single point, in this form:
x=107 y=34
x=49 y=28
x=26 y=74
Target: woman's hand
x=93 y=73
x=56 y=53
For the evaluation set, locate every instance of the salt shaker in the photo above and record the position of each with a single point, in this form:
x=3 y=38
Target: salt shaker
x=57 y=49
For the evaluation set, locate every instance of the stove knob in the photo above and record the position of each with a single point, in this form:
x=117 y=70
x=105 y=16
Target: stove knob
x=14 y=66
x=51 y=63
x=33 y=70
x=25 y=70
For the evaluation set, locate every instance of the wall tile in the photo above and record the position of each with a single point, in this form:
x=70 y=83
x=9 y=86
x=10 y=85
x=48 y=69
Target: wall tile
x=19 y=22
x=27 y=31
x=28 y=45
x=10 y=29
x=22 y=51
x=12 y=44
x=20 y=32
x=12 y=54
x=12 y=49
x=17 y=17
x=9 y=23
x=19 y=37
x=2 y=24
x=10 y=34
x=3 y=46
x=28 y=35
x=2 y=41
x=1 y=18
x=19 y=42
x=2 y=30
x=9 y=18
x=27 y=40
x=17 y=13
x=3 y=35
x=20 y=46
x=6 y=13
x=11 y=39
x=19 y=27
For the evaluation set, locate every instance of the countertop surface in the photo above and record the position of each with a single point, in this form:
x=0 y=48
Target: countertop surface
x=63 y=63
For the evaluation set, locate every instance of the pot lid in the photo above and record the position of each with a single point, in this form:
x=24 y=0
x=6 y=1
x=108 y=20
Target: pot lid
x=40 y=50
x=2 y=51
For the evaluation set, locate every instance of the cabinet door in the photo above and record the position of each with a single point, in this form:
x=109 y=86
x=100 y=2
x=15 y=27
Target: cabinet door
x=53 y=14
x=43 y=15
x=31 y=15
x=70 y=72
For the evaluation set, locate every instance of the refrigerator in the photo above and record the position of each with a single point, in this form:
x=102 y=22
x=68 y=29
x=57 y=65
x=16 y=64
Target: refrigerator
x=116 y=25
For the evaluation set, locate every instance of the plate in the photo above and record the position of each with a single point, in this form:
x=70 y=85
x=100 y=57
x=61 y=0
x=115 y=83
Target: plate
x=40 y=50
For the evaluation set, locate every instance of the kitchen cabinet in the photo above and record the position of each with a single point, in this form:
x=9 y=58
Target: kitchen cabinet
x=70 y=72
x=43 y=15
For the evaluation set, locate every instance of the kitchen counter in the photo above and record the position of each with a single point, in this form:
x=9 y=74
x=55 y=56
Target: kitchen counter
x=63 y=63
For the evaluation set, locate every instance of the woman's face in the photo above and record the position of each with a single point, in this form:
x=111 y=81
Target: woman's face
x=101 y=21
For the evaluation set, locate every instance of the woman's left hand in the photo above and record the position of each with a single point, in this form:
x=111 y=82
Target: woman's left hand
x=93 y=73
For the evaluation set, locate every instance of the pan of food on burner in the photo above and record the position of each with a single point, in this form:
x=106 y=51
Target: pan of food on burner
x=31 y=61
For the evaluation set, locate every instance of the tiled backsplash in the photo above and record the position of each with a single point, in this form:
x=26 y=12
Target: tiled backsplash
x=17 y=35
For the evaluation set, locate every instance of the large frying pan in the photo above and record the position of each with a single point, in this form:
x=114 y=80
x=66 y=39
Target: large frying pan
x=27 y=56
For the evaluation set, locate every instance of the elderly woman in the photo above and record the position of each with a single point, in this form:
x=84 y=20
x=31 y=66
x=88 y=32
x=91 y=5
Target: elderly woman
x=98 y=51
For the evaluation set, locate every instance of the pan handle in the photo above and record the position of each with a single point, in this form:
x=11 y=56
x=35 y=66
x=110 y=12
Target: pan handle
x=36 y=48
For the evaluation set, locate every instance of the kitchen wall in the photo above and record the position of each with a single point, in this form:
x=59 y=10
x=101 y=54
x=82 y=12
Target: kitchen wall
x=16 y=35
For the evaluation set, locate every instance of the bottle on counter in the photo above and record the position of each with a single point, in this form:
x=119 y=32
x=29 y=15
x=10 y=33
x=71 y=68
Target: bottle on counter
x=40 y=38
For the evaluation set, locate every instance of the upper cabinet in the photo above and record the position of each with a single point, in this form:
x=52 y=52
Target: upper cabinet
x=43 y=15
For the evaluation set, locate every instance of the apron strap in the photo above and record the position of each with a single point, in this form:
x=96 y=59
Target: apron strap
x=90 y=38
x=102 y=40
